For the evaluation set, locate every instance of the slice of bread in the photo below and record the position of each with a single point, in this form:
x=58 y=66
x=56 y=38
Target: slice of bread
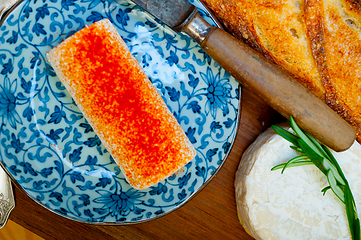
x=277 y=30
x=123 y=107
x=334 y=29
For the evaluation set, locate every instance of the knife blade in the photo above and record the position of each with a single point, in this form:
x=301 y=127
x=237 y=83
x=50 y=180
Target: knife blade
x=255 y=72
x=172 y=12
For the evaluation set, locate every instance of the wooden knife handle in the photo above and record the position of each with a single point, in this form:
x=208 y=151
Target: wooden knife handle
x=279 y=90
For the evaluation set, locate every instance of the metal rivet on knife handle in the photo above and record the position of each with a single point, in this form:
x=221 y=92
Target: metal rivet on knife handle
x=195 y=27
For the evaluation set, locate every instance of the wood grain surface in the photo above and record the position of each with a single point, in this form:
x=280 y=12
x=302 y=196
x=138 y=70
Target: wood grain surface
x=13 y=231
x=211 y=214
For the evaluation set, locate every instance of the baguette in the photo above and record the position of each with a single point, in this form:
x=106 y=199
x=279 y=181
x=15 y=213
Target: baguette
x=334 y=28
x=277 y=30
x=318 y=42
x=125 y=110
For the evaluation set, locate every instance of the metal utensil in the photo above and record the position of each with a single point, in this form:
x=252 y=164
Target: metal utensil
x=255 y=72
x=5 y=5
x=7 y=201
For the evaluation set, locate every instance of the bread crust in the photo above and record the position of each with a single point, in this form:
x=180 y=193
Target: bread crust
x=276 y=29
x=318 y=42
x=332 y=27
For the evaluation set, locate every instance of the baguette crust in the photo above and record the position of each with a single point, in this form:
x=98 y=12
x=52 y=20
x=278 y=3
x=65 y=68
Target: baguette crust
x=318 y=42
x=125 y=110
x=334 y=31
x=277 y=30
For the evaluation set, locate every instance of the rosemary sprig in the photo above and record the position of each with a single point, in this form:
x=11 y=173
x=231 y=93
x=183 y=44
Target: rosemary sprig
x=312 y=152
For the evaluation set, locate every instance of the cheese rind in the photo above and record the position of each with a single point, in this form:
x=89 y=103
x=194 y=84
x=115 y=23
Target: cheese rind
x=272 y=205
x=125 y=110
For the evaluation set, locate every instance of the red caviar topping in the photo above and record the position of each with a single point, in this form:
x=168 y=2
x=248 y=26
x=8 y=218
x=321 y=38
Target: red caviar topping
x=121 y=104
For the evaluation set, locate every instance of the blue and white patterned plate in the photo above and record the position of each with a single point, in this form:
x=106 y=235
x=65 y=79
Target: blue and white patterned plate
x=52 y=152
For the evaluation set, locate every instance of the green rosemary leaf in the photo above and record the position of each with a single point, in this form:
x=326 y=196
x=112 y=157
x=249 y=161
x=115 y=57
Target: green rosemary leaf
x=354 y=222
x=286 y=135
x=335 y=163
x=298 y=149
x=317 y=145
x=328 y=163
x=304 y=137
x=294 y=164
x=295 y=159
x=333 y=184
x=325 y=190
x=312 y=155
x=349 y=210
x=330 y=167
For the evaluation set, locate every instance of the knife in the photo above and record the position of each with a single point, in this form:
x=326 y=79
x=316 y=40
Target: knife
x=7 y=5
x=7 y=201
x=282 y=92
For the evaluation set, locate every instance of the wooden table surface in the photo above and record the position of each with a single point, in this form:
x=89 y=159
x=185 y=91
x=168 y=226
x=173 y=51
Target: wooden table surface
x=211 y=214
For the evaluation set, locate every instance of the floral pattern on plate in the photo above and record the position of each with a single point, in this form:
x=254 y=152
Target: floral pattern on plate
x=52 y=152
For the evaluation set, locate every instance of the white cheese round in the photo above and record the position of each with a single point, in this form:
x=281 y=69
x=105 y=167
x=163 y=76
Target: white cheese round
x=291 y=205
